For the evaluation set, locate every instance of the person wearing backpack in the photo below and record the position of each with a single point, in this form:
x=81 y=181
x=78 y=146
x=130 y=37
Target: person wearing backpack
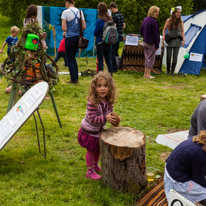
x=104 y=49
x=120 y=24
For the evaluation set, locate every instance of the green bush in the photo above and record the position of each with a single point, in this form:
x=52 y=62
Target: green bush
x=134 y=11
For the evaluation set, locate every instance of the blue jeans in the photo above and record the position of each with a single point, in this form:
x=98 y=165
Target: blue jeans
x=104 y=50
x=59 y=55
x=71 y=46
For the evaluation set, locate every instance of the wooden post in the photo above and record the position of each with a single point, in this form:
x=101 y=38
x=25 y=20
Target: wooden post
x=123 y=159
x=13 y=96
x=54 y=34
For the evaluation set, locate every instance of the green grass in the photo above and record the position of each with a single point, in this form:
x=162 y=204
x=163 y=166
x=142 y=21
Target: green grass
x=151 y=106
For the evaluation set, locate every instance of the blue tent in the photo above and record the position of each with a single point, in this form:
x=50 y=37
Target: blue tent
x=52 y=15
x=195 y=44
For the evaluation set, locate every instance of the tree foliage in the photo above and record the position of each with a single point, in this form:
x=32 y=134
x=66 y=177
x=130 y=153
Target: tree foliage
x=134 y=11
x=199 y=5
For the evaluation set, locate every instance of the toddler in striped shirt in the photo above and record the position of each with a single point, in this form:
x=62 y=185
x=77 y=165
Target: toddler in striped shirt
x=101 y=98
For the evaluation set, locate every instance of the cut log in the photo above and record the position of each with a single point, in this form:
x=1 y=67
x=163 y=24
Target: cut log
x=123 y=159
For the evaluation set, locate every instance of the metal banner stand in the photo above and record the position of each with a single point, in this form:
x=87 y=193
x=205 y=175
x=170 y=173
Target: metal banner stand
x=20 y=113
x=37 y=132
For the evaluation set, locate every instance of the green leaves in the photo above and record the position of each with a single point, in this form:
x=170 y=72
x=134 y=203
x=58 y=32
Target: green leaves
x=134 y=11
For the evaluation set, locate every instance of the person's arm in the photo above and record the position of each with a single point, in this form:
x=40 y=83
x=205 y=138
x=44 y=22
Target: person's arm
x=201 y=118
x=198 y=169
x=64 y=25
x=2 y=48
x=165 y=28
x=156 y=35
x=83 y=25
x=93 y=114
x=141 y=30
x=97 y=28
x=182 y=33
x=124 y=25
x=83 y=22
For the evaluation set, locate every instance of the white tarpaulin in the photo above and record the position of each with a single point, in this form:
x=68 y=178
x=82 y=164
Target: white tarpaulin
x=172 y=139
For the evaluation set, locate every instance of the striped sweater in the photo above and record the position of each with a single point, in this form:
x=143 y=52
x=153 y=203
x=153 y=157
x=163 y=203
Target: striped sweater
x=95 y=118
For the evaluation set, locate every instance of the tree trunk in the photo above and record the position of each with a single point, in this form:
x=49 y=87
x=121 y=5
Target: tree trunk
x=123 y=159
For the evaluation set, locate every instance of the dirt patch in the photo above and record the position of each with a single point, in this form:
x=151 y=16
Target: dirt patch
x=172 y=130
x=164 y=156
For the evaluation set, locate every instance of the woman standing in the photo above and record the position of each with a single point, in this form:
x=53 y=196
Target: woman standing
x=151 y=39
x=103 y=50
x=175 y=27
x=71 y=25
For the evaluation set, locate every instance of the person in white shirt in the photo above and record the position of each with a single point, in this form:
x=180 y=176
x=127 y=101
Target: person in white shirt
x=71 y=25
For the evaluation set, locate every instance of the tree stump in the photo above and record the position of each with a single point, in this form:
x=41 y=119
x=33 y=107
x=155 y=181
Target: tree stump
x=123 y=159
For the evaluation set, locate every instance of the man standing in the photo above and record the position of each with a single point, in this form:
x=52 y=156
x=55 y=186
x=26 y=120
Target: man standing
x=120 y=24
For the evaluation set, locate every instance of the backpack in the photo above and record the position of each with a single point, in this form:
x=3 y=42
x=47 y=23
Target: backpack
x=110 y=34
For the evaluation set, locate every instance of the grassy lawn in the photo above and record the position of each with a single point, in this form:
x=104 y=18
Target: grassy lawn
x=151 y=106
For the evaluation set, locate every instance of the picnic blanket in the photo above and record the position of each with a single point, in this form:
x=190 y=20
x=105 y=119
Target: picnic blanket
x=172 y=139
x=155 y=197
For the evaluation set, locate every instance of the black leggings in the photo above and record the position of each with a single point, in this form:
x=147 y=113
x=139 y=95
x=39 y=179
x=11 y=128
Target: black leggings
x=175 y=51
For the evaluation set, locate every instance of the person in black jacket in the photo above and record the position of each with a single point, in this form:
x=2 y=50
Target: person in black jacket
x=185 y=169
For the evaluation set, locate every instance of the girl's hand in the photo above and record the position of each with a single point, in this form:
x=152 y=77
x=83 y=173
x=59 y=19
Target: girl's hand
x=110 y=118
x=183 y=43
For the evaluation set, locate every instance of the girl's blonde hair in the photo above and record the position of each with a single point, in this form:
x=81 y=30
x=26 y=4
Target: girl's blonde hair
x=14 y=29
x=152 y=10
x=111 y=95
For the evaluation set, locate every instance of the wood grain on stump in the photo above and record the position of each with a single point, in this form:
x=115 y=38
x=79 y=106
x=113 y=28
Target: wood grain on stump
x=123 y=159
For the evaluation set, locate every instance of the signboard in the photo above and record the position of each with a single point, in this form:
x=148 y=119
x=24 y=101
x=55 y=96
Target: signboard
x=131 y=40
x=195 y=57
x=21 y=111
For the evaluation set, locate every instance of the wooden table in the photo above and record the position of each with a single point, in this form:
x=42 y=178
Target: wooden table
x=133 y=59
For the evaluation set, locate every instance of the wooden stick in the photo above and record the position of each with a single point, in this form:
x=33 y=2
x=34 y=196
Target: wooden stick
x=54 y=34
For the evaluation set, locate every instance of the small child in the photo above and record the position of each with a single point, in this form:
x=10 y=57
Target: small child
x=61 y=51
x=43 y=42
x=11 y=40
x=99 y=110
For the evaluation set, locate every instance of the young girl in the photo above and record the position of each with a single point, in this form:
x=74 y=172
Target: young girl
x=99 y=110
x=175 y=27
x=104 y=51
x=31 y=15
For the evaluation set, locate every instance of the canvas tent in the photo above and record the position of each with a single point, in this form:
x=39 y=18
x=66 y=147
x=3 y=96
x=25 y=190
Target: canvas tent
x=52 y=15
x=195 y=44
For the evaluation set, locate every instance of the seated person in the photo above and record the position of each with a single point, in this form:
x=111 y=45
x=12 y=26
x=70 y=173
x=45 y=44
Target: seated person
x=198 y=119
x=185 y=169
